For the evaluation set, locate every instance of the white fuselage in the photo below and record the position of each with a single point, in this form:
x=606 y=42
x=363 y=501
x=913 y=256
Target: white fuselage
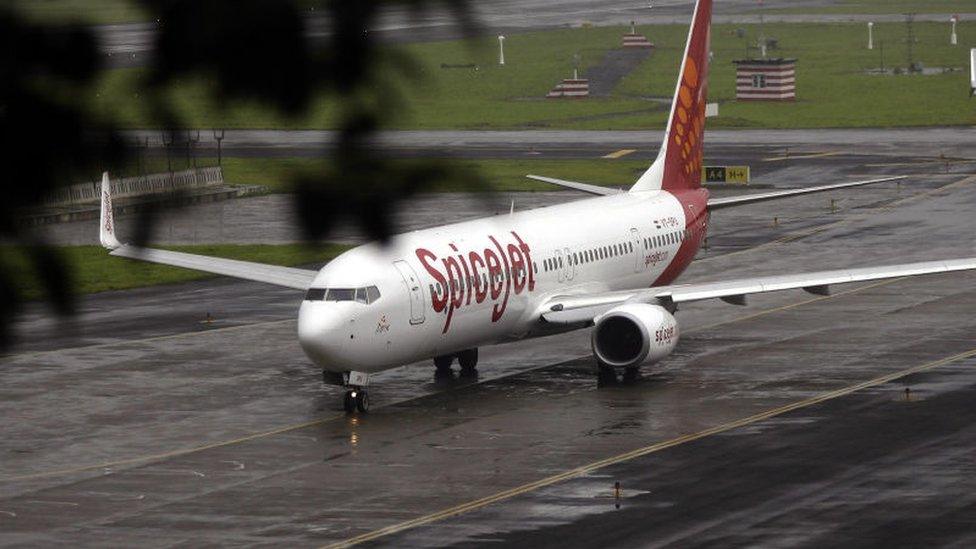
x=460 y=286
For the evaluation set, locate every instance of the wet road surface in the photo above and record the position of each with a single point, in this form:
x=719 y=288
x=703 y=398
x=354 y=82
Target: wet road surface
x=147 y=427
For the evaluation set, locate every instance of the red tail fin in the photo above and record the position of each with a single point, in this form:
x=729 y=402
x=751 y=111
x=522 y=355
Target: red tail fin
x=679 y=162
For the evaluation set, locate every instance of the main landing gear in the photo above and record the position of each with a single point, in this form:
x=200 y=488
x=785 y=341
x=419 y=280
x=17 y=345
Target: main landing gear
x=607 y=375
x=468 y=360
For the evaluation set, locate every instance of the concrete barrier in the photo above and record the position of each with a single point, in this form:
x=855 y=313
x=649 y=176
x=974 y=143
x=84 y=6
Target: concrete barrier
x=130 y=187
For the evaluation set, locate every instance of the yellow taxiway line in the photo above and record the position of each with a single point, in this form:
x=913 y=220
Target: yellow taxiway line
x=640 y=452
x=800 y=156
x=619 y=154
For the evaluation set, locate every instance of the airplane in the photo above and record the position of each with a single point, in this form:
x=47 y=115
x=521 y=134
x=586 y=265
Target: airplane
x=608 y=262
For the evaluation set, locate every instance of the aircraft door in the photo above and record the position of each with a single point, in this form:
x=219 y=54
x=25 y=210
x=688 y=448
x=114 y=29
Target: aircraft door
x=560 y=265
x=570 y=264
x=635 y=238
x=412 y=284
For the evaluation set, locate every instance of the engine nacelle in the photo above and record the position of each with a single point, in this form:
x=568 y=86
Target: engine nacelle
x=634 y=334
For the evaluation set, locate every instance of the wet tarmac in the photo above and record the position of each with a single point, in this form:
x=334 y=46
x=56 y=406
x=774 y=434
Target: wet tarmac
x=776 y=160
x=950 y=142
x=147 y=426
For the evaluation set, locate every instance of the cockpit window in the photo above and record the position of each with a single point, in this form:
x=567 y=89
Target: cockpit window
x=315 y=294
x=340 y=294
x=372 y=294
x=364 y=295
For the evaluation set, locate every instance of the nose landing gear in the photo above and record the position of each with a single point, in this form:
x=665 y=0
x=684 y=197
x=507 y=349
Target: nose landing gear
x=356 y=399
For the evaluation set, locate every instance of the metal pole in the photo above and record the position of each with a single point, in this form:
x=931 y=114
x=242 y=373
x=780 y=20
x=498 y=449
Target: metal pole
x=501 y=50
x=870 y=35
x=219 y=136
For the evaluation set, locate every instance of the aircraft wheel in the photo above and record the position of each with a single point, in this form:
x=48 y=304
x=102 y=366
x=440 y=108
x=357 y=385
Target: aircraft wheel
x=349 y=402
x=443 y=363
x=362 y=401
x=631 y=374
x=468 y=360
x=605 y=375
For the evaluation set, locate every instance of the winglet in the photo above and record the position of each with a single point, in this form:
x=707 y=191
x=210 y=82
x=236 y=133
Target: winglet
x=106 y=232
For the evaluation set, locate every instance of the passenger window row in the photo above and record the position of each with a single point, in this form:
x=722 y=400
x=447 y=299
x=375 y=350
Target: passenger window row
x=365 y=295
x=666 y=239
x=588 y=256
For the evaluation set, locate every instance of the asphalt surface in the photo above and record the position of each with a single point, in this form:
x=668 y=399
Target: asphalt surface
x=952 y=142
x=876 y=468
x=145 y=425
x=776 y=159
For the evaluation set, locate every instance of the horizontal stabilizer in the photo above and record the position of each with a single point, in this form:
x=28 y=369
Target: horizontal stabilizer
x=585 y=187
x=717 y=203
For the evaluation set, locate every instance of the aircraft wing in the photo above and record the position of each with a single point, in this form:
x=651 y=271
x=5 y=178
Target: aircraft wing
x=576 y=309
x=717 y=203
x=288 y=277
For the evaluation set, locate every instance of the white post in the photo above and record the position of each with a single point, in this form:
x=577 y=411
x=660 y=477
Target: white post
x=501 y=50
x=954 y=39
x=870 y=35
x=972 y=72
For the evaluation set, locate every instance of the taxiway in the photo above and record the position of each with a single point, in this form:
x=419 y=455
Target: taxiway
x=147 y=426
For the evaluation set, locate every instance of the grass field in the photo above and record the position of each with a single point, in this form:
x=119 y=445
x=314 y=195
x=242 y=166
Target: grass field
x=125 y=11
x=503 y=175
x=886 y=7
x=93 y=270
x=833 y=87
x=81 y=11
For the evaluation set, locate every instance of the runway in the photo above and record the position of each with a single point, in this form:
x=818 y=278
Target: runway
x=145 y=425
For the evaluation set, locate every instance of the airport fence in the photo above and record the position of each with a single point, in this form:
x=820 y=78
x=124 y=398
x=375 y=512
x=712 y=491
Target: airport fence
x=143 y=185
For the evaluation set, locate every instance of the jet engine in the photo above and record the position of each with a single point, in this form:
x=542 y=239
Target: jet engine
x=634 y=334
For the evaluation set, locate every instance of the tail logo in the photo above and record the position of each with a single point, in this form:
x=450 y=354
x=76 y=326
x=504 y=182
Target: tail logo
x=689 y=123
x=109 y=221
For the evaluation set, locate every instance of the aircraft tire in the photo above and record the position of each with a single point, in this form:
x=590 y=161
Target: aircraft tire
x=631 y=374
x=468 y=360
x=443 y=363
x=605 y=375
x=362 y=401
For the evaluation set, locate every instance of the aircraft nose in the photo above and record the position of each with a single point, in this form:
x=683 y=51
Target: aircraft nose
x=319 y=333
